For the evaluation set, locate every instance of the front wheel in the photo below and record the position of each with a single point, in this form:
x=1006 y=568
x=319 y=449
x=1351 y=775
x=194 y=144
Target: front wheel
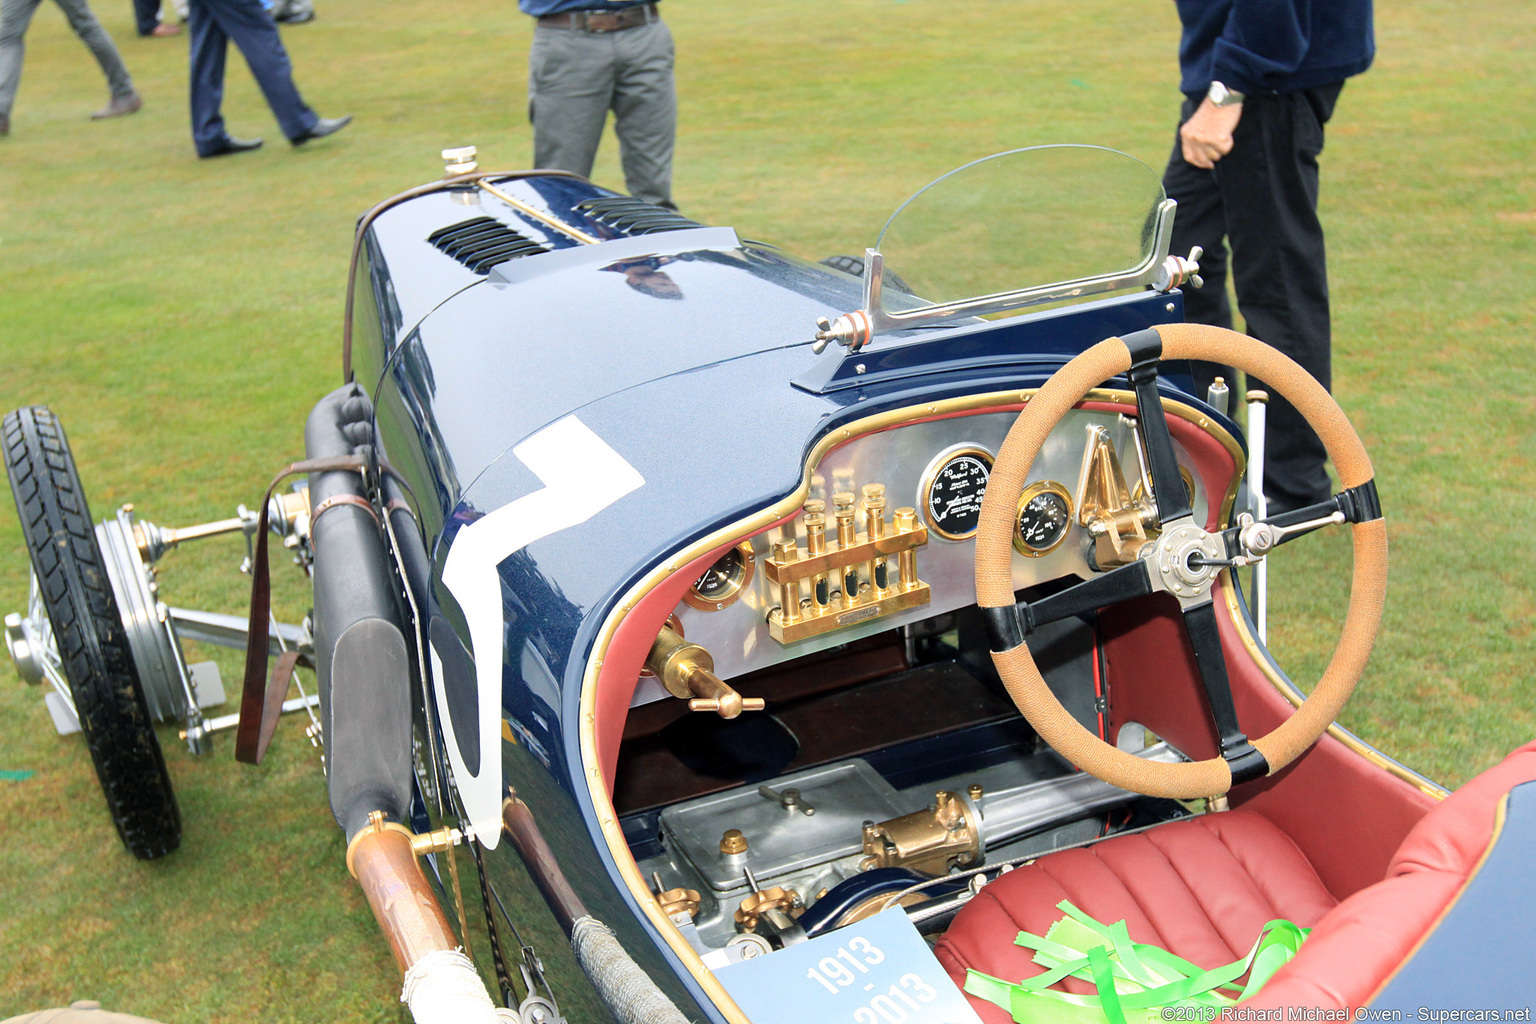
x=88 y=632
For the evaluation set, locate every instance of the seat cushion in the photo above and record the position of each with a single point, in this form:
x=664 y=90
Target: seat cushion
x=1200 y=887
x=1204 y=888
x=1358 y=946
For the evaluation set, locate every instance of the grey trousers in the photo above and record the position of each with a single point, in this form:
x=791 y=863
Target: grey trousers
x=576 y=77
x=16 y=15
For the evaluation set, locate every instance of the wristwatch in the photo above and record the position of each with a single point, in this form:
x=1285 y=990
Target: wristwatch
x=1221 y=96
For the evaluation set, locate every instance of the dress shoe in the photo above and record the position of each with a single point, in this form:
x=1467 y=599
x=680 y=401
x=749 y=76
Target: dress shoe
x=119 y=106
x=165 y=29
x=323 y=127
x=229 y=144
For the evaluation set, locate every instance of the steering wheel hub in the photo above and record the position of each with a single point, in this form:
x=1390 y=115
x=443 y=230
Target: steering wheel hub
x=1185 y=561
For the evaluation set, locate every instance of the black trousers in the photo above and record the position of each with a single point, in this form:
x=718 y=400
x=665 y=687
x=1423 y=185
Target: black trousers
x=214 y=24
x=146 y=15
x=1257 y=213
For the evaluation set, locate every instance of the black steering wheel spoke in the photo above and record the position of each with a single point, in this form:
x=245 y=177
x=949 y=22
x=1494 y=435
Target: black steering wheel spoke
x=1009 y=626
x=1173 y=501
x=1205 y=639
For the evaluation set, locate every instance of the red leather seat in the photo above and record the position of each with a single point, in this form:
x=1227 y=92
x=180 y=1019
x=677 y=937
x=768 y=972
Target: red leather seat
x=1204 y=887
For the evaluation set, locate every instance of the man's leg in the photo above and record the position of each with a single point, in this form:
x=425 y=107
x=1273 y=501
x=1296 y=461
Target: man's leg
x=15 y=16
x=645 y=111
x=146 y=15
x=1269 y=183
x=570 y=86
x=252 y=29
x=208 y=47
x=1200 y=220
x=94 y=36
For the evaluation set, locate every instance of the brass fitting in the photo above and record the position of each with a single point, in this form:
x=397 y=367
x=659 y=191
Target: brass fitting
x=733 y=842
x=789 y=590
x=754 y=905
x=679 y=901
x=816 y=544
x=874 y=530
x=422 y=843
x=929 y=841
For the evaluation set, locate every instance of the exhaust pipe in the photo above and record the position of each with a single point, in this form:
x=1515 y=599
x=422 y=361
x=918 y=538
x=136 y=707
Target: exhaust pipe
x=441 y=985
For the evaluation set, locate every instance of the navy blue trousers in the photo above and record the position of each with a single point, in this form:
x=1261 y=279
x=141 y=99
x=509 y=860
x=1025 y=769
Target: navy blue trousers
x=214 y=24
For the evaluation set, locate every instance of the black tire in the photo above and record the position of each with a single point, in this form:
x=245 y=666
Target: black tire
x=61 y=540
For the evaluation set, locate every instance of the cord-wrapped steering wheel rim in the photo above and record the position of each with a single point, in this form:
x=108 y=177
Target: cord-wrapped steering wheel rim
x=994 y=561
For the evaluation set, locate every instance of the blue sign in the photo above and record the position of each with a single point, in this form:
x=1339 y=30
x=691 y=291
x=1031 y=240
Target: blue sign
x=879 y=971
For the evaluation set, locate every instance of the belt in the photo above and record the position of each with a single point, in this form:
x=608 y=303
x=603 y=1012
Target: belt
x=599 y=22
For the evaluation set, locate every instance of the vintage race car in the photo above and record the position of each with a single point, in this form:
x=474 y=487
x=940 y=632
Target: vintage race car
x=676 y=600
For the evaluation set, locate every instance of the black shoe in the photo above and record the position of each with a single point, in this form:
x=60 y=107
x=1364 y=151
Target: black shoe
x=230 y=144
x=323 y=127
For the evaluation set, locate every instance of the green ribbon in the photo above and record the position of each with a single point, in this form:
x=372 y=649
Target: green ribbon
x=1134 y=980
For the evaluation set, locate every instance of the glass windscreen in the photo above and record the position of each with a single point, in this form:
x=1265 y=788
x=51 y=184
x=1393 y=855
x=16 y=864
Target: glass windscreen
x=1020 y=220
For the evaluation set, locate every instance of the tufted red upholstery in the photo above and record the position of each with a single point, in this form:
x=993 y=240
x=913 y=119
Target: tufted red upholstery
x=1204 y=887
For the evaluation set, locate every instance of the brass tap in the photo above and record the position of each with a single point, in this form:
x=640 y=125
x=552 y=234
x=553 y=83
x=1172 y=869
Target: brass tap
x=688 y=672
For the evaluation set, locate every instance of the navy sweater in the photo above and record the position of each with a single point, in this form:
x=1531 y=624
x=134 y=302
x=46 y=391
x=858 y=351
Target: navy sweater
x=1273 y=45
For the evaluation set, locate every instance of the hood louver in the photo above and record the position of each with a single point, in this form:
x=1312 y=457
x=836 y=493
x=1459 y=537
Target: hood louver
x=483 y=242
x=634 y=216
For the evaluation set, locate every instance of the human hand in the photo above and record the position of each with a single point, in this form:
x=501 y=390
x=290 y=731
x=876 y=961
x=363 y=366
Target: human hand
x=1207 y=136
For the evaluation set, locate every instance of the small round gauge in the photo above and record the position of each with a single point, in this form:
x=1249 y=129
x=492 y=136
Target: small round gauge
x=1189 y=486
x=1045 y=514
x=953 y=486
x=722 y=583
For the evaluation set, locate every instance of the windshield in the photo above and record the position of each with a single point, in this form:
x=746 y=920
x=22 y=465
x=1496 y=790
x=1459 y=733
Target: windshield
x=1022 y=220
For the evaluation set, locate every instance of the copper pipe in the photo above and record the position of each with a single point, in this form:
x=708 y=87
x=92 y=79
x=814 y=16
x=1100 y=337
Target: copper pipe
x=381 y=859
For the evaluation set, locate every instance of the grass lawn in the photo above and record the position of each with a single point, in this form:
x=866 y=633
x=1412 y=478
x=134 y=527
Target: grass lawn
x=182 y=316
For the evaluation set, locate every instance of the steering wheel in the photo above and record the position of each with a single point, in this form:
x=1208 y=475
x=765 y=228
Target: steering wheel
x=1179 y=561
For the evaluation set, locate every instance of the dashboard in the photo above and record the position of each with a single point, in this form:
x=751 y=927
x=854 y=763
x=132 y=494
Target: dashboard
x=886 y=536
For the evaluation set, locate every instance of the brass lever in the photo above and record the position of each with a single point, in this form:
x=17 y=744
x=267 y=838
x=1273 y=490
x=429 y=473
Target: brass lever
x=688 y=672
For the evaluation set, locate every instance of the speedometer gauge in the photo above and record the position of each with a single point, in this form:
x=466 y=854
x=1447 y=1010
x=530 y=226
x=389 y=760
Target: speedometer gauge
x=953 y=486
x=1045 y=514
